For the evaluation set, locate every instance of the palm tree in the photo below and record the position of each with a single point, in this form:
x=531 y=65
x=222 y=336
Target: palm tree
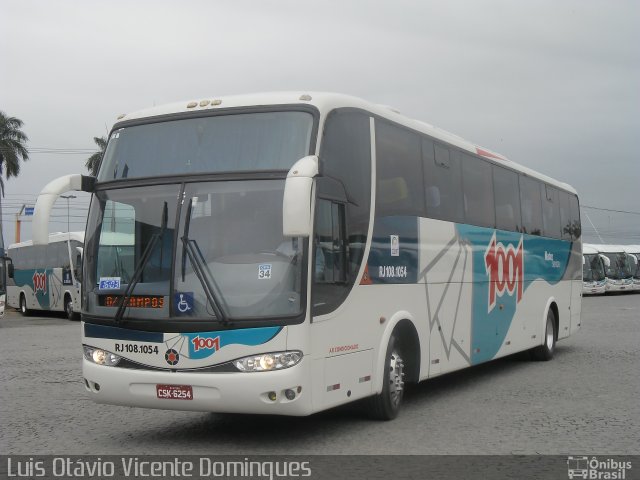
x=12 y=147
x=93 y=162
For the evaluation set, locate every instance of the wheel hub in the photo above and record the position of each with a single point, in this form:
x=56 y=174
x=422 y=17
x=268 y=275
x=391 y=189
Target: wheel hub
x=396 y=378
x=549 y=336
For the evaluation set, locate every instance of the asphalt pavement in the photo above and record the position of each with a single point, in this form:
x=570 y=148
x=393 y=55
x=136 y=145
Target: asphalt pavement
x=585 y=401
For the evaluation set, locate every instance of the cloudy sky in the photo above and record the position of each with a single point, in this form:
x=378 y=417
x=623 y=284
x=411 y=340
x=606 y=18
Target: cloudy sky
x=554 y=85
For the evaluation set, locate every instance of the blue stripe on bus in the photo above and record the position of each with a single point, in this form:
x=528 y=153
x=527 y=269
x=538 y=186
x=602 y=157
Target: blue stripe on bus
x=115 y=333
x=542 y=259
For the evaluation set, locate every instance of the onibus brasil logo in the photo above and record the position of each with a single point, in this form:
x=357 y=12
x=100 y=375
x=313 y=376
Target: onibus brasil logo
x=505 y=268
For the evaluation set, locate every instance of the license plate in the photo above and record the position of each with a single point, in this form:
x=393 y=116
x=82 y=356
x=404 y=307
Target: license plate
x=174 y=392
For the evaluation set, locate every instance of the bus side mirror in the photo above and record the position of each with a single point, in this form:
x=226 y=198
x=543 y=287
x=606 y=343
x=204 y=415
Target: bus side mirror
x=605 y=259
x=48 y=196
x=10 y=269
x=296 y=205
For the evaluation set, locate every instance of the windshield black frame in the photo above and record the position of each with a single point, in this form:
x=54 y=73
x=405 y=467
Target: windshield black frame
x=198 y=324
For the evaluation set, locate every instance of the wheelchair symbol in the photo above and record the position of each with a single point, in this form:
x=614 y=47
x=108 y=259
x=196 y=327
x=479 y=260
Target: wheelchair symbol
x=184 y=303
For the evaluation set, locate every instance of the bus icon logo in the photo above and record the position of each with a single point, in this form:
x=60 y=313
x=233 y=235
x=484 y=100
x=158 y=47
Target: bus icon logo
x=578 y=467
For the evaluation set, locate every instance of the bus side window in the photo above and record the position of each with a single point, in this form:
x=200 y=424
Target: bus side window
x=442 y=182
x=77 y=268
x=398 y=172
x=62 y=251
x=329 y=243
x=330 y=276
x=477 y=187
x=574 y=212
x=550 y=212
x=566 y=228
x=507 y=199
x=531 y=203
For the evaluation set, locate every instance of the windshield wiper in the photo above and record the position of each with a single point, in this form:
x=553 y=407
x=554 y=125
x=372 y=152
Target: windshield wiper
x=191 y=249
x=146 y=255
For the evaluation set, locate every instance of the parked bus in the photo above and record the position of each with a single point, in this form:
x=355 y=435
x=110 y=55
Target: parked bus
x=618 y=268
x=593 y=277
x=633 y=251
x=46 y=277
x=291 y=253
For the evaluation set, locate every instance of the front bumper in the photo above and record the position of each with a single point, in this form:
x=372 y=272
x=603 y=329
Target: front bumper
x=212 y=392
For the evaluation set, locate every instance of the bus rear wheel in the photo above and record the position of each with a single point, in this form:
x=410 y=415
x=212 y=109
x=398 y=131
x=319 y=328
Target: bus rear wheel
x=24 y=310
x=68 y=309
x=386 y=405
x=545 y=351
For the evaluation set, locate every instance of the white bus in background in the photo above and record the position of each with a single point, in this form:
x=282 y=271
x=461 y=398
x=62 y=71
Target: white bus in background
x=618 y=268
x=287 y=253
x=593 y=274
x=634 y=252
x=46 y=277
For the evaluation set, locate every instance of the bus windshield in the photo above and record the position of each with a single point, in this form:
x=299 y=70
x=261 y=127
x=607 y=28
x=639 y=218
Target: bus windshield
x=619 y=267
x=592 y=269
x=636 y=265
x=226 y=259
x=222 y=143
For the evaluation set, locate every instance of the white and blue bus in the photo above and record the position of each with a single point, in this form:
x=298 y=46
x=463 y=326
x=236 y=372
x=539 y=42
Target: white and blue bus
x=593 y=271
x=46 y=277
x=288 y=253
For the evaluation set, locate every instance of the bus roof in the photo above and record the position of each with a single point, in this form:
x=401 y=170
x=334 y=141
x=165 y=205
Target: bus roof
x=324 y=103
x=53 y=237
x=589 y=250
x=607 y=248
x=631 y=248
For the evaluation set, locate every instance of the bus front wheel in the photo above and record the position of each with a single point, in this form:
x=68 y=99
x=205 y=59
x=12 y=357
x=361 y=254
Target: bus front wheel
x=23 y=305
x=386 y=405
x=545 y=351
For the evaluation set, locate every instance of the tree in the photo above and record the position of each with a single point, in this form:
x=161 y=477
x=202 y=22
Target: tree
x=12 y=147
x=93 y=162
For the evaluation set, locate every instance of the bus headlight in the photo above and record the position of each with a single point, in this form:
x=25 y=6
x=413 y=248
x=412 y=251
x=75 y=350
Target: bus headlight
x=101 y=357
x=268 y=361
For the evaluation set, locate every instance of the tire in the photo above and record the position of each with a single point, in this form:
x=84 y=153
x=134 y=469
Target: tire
x=545 y=351
x=386 y=405
x=24 y=310
x=68 y=309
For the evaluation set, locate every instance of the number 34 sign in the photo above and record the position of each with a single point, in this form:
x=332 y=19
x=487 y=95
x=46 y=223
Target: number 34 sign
x=264 y=271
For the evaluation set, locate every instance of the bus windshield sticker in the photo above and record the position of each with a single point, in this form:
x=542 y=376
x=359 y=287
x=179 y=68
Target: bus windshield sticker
x=264 y=271
x=395 y=245
x=107 y=283
x=183 y=303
